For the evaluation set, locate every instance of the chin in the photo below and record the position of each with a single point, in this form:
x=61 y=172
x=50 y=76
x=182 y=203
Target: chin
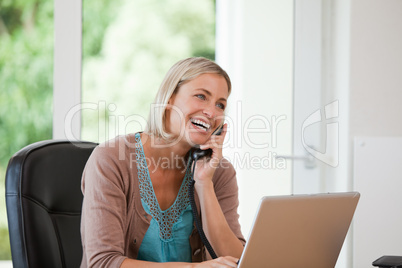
x=197 y=139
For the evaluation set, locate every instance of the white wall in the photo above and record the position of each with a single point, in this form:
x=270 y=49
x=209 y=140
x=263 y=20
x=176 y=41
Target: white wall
x=376 y=68
x=375 y=90
x=377 y=176
x=255 y=46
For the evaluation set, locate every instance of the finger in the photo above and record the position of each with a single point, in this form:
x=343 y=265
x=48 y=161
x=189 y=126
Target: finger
x=216 y=142
x=211 y=144
x=224 y=130
x=205 y=146
x=220 y=138
x=228 y=260
x=232 y=259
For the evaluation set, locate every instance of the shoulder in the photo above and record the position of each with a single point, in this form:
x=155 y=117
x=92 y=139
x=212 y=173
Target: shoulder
x=112 y=157
x=112 y=161
x=114 y=150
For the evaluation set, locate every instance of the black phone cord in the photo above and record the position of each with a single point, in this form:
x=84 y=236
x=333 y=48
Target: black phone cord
x=195 y=215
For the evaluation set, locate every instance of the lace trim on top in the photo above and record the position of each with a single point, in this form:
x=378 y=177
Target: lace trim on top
x=166 y=218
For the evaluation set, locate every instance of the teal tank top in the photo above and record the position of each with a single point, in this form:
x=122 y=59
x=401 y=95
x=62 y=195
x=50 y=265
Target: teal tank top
x=167 y=238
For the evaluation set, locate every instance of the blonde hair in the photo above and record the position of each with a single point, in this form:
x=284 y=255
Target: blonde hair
x=180 y=73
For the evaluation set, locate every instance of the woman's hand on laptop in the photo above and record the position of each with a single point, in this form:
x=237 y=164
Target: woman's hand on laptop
x=221 y=262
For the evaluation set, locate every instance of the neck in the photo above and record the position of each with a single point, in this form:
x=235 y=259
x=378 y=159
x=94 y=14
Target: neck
x=173 y=155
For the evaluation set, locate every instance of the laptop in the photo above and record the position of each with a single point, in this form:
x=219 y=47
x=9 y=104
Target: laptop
x=299 y=230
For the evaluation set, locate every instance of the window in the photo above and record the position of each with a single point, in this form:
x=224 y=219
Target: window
x=26 y=84
x=128 y=46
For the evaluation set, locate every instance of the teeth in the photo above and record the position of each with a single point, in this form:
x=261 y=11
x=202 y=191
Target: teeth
x=199 y=122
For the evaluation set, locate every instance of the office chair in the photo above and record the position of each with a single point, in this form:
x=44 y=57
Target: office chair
x=43 y=200
x=388 y=262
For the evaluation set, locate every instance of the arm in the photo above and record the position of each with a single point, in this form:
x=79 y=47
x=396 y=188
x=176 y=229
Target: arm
x=217 y=190
x=219 y=214
x=104 y=210
x=222 y=262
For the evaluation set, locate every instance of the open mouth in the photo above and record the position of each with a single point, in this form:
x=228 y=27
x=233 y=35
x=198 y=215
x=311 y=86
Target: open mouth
x=200 y=124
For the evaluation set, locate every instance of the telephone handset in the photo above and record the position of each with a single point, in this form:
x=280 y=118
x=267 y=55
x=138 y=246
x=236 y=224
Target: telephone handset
x=196 y=154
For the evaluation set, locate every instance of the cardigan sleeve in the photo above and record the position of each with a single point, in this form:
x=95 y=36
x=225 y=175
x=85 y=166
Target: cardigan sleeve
x=227 y=193
x=104 y=209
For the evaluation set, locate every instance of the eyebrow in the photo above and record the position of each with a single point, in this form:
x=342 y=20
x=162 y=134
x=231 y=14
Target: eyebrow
x=209 y=94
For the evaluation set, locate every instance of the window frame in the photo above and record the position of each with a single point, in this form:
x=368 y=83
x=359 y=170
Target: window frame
x=67 y=69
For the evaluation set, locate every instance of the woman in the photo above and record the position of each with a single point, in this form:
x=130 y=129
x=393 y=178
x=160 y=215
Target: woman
x=136 y=210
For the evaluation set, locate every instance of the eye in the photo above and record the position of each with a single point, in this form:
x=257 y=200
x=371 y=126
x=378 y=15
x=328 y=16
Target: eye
x=201 y=96
x=221 y=106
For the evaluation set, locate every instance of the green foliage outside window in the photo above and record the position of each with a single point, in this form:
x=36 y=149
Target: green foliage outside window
x=26 y=82
x=140 y=41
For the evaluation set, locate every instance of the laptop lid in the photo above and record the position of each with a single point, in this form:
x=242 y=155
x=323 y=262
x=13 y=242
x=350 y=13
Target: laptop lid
x=299 y=230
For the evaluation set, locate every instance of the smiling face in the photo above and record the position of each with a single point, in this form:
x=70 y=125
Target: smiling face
x=198 y=106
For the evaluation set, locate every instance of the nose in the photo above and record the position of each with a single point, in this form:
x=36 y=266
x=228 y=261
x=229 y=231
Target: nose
x=208 y=111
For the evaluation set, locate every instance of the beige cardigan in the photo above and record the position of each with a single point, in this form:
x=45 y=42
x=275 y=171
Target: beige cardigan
x=114 y=222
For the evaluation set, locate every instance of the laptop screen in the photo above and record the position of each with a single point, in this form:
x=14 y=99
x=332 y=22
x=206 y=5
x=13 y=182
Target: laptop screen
x=299 y=230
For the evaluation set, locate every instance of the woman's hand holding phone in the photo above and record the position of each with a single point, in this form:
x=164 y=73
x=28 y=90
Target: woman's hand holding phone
x=206 y=166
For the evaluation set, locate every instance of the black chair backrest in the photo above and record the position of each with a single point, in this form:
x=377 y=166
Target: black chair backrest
x=44 y=199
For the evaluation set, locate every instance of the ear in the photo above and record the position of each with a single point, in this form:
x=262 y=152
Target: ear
x=171 y=100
